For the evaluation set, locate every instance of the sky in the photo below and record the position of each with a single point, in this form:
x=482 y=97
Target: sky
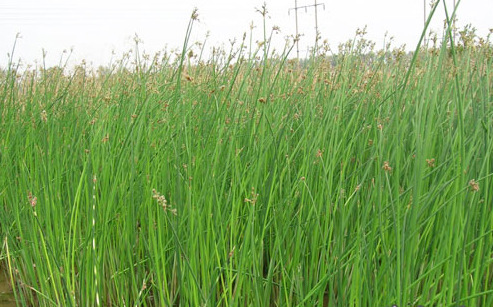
x=100 y=31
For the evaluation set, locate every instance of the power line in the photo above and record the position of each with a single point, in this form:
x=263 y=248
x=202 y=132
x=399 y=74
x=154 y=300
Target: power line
x=306 y=7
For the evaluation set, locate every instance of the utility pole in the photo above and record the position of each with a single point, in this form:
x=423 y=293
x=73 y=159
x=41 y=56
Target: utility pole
x=297 y=37
x=296 y=8
x=316 y=21
x=453 y=23
x=424 y=18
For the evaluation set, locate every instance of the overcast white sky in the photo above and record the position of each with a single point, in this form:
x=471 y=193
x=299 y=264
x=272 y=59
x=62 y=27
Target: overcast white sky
x=94 y=28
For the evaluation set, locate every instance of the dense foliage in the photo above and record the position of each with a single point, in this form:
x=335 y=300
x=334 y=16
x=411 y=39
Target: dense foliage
x=362 y=179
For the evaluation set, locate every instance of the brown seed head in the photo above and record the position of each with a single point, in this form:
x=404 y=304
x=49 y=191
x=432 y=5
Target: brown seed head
x=473 y=185
x=386 y=167
x=431 y=162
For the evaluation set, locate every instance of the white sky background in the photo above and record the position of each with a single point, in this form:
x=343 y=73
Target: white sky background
x=95 y=28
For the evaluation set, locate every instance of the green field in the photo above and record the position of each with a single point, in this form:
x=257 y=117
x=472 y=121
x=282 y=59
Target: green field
x=360 y=177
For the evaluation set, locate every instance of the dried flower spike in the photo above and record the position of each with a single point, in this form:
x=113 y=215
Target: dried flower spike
x=161 y=200
x=473 y=185
x=33 y=200
x=386 y=166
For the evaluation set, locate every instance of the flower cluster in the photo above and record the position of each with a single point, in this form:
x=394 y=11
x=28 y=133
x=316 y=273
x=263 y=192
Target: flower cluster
x=33 y=200
x=473 y=185
x=386 y=167
x=161 y=200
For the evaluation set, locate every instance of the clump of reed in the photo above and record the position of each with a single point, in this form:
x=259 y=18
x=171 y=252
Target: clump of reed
x=361 y=178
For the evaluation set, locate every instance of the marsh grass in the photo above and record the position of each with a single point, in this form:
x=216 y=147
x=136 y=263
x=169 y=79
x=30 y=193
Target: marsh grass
x=356 y=179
